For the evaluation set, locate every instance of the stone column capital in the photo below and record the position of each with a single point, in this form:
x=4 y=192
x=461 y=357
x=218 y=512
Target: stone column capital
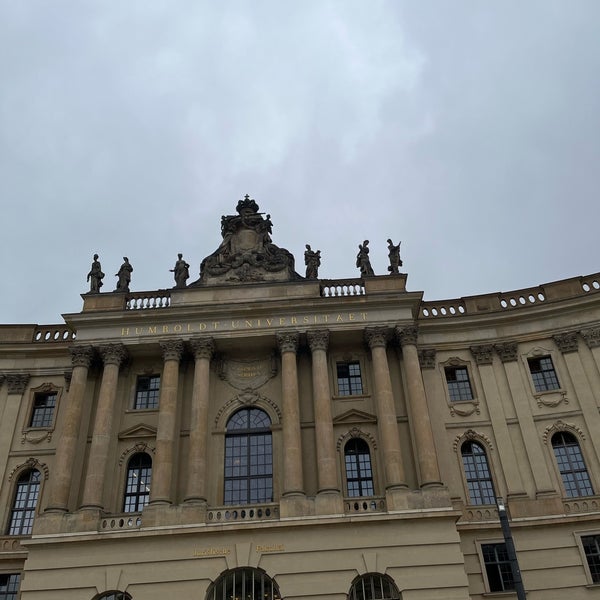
x=17 y=382
x=427 y=358
x=288 y=341
x=202 y=347
x=507 y=351
x=113 y=354
x=483 y=354
x=377 y=337
x=566 y=342
x=318 y=339
x=591 y=336
x=81 y=356
x=172 y=349
x=407 y=335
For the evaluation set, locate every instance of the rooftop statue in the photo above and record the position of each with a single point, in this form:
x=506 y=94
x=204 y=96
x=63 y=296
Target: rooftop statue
x=124 y=276
x=181 y=271
x=312 y=260
x=394 y=256
x=247 y=252
x=95 y=276
x=362 y=260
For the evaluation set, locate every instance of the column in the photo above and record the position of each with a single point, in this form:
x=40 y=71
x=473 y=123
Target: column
x=387 y=421
x=484 y=358
x=329 y=499
x=69 y=430
x=293 y=483
x=418 y=412
x=162 y=468
x=203 y=349
x=113 y=356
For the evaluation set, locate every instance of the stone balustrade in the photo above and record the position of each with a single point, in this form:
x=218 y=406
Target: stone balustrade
x=147 y=300
x=342 y=287
x=247 y=512
x=365 y=505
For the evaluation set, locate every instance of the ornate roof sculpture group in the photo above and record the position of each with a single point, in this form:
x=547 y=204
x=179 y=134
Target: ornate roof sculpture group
x=246 y=254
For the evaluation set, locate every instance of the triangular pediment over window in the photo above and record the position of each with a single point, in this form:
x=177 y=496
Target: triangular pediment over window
x=138 y=431
x=354 y=416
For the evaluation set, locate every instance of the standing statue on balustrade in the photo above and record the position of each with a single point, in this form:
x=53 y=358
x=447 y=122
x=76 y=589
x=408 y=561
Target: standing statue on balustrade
x=312 y=260
x=95 y=276
x=124 y=276
x=394 y=256
x=362 y=260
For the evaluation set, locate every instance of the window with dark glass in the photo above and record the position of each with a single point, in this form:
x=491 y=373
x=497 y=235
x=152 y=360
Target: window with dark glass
x=477 y=474
x=248 y=458
x=349 y=379
x=591 y=547
x=244 y=583
x=137 y=486
x=571 y=465
x=543 y=374
x=497 y=567
x=114 y=596
x=25 y=501
x=42 y=413
x=459 y=386
x=359 y=474
x=9 y=586
x=147 y=392
x=374 y=587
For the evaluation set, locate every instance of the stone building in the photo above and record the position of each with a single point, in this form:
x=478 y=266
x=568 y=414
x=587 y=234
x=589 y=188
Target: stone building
x=260 y=434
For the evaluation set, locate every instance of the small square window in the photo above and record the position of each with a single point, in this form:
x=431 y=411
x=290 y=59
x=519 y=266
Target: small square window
x=147 y=392
x=497 y=567
x=459 y=386
x=591 y=547
x=543 y=374
x=349 y=379
x=42 y=413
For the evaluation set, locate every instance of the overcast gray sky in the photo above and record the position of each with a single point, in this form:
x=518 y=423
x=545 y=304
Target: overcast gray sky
x=469 y=130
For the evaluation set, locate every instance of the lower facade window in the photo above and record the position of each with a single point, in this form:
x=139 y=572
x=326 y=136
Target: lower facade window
x=571 y=465
x=374 y=587
x=591 y=547
x=459 y=385
x=349 y=379
x=497 y=567
x=42 y=413
x=9 y=586
x=137 y=486
x=23 y=509
x=543 y=374
x=477 y=474
x=359 y=474
x=243 y=584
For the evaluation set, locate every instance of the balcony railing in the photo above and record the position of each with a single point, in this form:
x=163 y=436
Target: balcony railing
x=365 y=504
x=246 y=512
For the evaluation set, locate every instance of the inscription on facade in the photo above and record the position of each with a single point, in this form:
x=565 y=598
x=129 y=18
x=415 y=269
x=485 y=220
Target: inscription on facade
x=270 y=548
x=205 y=552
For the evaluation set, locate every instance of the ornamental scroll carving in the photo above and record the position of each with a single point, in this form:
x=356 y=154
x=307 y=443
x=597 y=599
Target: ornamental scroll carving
x=30 y=463
x=377 y=336
x=202 y=347
x=247 y=398
x=318 y=339
x=427 y=358
x=566 y=342
x=81 y=356
x=483 y=354
x=591 y=336
x=288 y=341
x=172 y=349
x=472 y=435
x=17 y=383
x=247 y=374
x=407 y=335
x=356 y=432
x=113 y=354
x=562 y=426
x=507 y=351
x=139 y=447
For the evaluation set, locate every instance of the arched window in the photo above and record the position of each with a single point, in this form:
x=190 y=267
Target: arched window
x=248 y=458
x=477 y=473
x=137 y=486
x=359 y=474
x=374 y=586
x=23 y=508
x=243 y=584
x=114 y=596
x=571 y=465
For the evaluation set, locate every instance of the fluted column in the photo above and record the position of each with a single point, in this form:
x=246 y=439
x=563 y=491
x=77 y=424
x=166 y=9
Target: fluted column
x=162 y=469
x=113 y=356
x=386 y=412
x=318 y=341
x=69 y=429
x=292 y=458
x=418 y=412
x=203 y=349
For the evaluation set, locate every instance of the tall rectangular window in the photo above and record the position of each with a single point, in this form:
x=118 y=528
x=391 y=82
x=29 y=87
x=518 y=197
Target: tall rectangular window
x=42 y=413
x=9 y=586
x=349 y=379
x=591 y=547
x=497 y=567
x=147 y=392
x=543 y=374
x=459 y=386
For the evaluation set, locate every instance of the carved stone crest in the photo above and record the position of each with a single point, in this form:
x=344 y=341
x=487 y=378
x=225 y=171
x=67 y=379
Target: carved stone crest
x=247 y=374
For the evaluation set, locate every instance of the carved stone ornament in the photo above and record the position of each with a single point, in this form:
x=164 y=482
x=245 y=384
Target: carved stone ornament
x=377 y=336
x=591 y=336
x=113 y=354
x=472 y=435
x=562 y=426
x=34 y=436
x=427 y=358
x=247 y=253
x=464 y=408
x=172 y=349
x=507 y=351
x=246 y=398
x=551 y=399
x=17 y=383
x=407 y=335
x=288 y=341
x=30 y=463
x=248 y=374
x=139 y=447
x=355 y=432
x=202 y=347
x=81 y=356
x=483 y=354
x=566 y=342
x=318 y=339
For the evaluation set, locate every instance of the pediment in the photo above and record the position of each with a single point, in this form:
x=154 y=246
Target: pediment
x=138 y=431
x=354 y=416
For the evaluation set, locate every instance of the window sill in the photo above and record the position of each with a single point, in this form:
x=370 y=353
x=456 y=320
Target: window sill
x=351 y=397
x=141 y=410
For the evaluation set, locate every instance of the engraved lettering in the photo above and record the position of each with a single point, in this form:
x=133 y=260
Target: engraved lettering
x=305 y=320
x=249 y=324
x=152 y=329
x=178 y=329
x=235 y=324
x=124 y=331
x=294 y=321
x=269 y=322
x=215 y=324
x=202 y=326
x=339 y=319
x=364 y=316
x=139 y=330
x=350 y=316
x=165 y=329
x=282 y=320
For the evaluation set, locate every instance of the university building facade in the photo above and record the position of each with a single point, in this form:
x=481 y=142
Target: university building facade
x=257 y=433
